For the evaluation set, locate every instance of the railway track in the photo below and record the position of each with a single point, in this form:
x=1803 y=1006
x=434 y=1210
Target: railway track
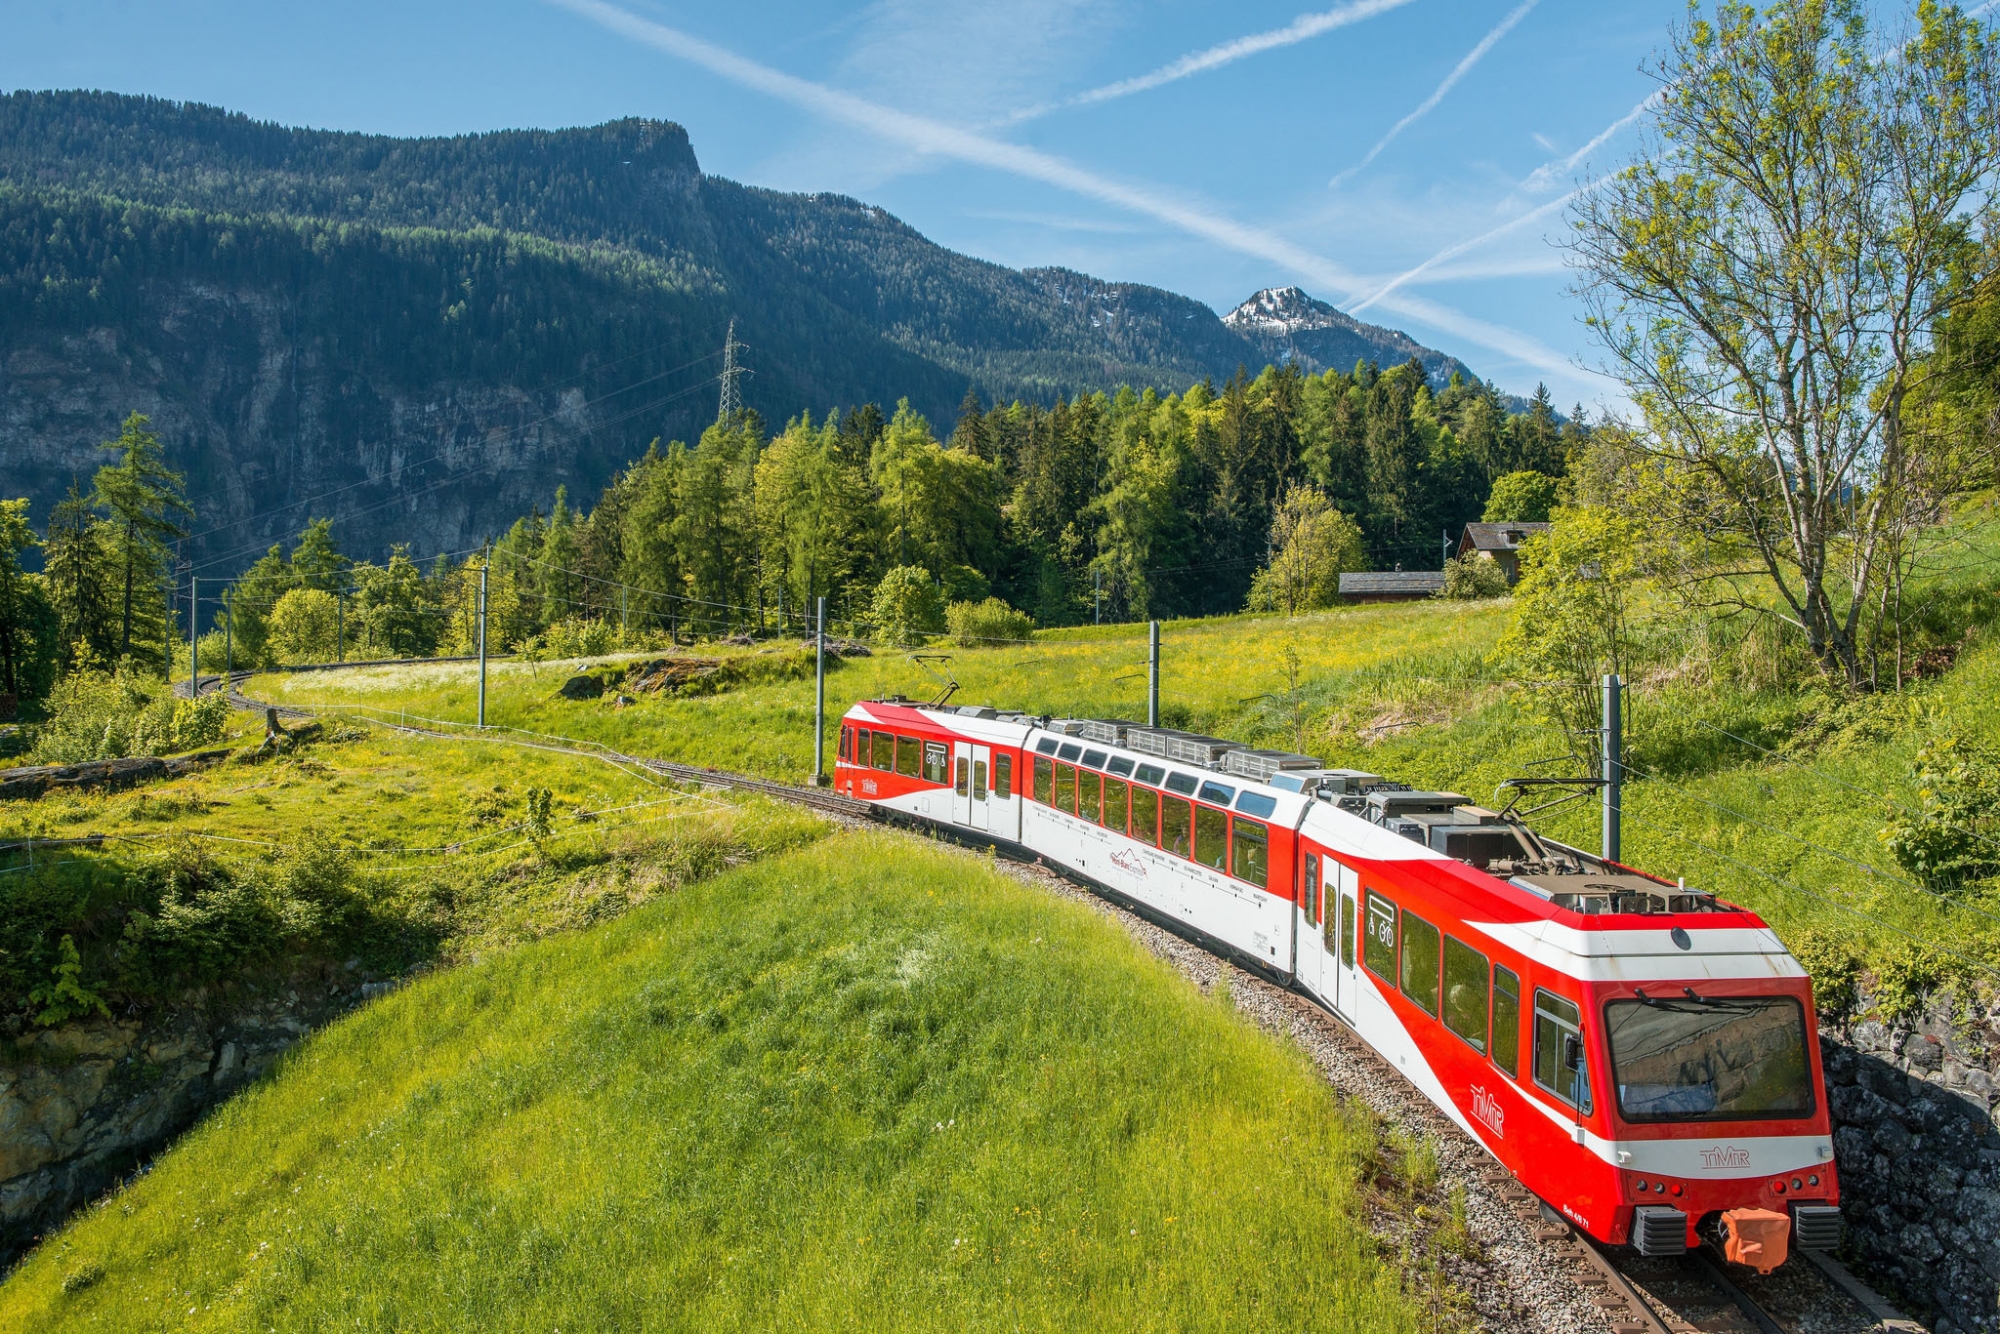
x=1691 y=1294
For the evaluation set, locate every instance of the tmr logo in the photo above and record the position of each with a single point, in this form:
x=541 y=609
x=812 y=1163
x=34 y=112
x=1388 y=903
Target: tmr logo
x=1488 y=1109
x=1722 y=1157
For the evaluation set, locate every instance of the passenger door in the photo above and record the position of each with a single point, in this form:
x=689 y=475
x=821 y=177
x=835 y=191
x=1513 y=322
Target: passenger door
x=971 y=785
x=1312 y=968
x=1342 y=932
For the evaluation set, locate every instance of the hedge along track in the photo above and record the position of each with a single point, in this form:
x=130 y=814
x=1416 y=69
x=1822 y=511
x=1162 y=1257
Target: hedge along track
x=1689 y=1294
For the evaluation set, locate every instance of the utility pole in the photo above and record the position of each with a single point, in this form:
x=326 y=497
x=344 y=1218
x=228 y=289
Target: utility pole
x=1614 y=766
x=482 y=645
x=194 y=636
x=340 y=623
x=624 y=611
x=228 y=636
x=1097 y=597
x=819 y=696
x=1153 y=674
x=732 y=393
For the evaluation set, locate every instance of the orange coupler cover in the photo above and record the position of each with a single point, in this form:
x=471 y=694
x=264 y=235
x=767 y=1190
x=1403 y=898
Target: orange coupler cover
x=1759 y=1238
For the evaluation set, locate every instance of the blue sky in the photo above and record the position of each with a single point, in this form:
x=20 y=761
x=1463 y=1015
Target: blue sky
x=1208 y=149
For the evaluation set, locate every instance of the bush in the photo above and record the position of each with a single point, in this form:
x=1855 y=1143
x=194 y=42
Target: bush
x=990 y=622
x=907 y=606
x=1467 y=578
x=1951 y=836
x=577 y=637
x=304 y=627
x=199 y=722
x=99 y=715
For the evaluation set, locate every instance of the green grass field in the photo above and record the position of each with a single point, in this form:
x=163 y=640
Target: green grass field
x=1407 y=691
x=863 y=1085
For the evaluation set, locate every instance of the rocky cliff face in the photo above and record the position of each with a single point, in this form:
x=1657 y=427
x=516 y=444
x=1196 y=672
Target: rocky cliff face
x=1287 y=325
x=273 y=429
x=85 y=1105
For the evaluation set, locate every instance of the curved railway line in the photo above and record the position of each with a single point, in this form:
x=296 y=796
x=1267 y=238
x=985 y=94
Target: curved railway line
x=1609 y=1289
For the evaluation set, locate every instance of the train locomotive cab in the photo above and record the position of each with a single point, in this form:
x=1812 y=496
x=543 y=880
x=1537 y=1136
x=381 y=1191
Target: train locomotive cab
x=1640 y=1055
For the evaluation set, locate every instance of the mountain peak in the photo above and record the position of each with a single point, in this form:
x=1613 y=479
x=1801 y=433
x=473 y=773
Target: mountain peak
x=1289 y=324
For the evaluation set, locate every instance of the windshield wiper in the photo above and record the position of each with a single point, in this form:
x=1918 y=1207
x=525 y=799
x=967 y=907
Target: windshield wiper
x=1706 y=1002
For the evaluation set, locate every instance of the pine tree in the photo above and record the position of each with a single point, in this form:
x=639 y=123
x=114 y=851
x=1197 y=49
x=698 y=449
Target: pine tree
x=79 y=567
x=142 y=497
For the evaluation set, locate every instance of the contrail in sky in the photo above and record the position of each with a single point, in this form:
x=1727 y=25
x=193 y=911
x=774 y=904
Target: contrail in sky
x=1303 y=28
x=1454 y=251
x=1540 y=178
x=924 y=135
x=1463 y=68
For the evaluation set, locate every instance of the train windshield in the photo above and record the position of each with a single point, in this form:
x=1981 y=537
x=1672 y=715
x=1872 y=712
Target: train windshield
x=1710 y=1058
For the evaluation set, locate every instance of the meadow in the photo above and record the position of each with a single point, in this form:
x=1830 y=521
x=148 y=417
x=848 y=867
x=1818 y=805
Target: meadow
x=1773 y=793
x=862 y=1085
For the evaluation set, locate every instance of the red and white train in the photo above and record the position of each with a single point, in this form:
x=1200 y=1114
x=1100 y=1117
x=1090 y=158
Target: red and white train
x=1639 y=1055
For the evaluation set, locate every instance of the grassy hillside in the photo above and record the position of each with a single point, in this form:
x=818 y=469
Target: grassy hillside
x=1408 y=691
x=861 y=1086
x=364 y=845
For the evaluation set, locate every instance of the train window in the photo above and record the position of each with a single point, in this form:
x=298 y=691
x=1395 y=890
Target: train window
x=1089 y=792
x=1420 y=963
x=909 y=756
x=1121 y=765
x=1176 y=826
x=1465 y=992
x=1211 y=837
x=937 y=762
x=847 y=743
x=1219 y=793
x=979 y=779
x=1347 y=931
x=1065 y=788
x=1250 y=852
x=1256 y=803
x=1309 y=889
x=1378 y=945
x=1046 y=746
x=885 y=751
x=1716 y=1059
x=1045 y=781
x=962 y=783
x=1559 y=1064
x=1181 y=783
x=1069 y=750
x=1003 y=776
x=1145 y=815
x=1094 y=758
x=1507 y=1021
x=1116 y=799
x=1149 y=773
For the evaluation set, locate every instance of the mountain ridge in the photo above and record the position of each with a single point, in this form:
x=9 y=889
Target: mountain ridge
x=593 y=257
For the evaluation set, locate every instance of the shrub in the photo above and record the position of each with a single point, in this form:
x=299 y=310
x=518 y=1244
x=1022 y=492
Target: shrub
x=577 y=637
x=65 y=997
x=199 y=722
x=1951 y=836
x=1834 y=967
x=99 y=715
x=305 y=627
x=1467 y=578
x=907 y=606
x=990 y=622
x=1520 y=497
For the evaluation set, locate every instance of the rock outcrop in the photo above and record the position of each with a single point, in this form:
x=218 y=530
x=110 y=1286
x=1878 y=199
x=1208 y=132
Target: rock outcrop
x=86 y=1104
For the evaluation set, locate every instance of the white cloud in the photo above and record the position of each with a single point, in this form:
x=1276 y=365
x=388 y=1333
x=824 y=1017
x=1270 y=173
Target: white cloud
x=1459 y=71
x=921 y=134
x=1303 y=28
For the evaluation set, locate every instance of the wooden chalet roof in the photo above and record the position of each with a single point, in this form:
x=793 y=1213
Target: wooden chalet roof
x=1498 y=536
